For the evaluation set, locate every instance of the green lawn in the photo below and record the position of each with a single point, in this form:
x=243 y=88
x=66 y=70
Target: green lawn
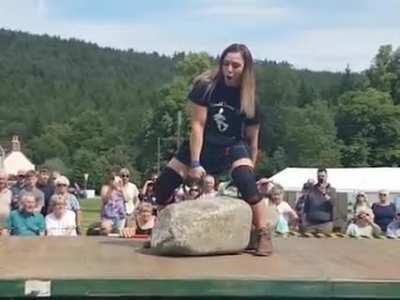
x=90 y=212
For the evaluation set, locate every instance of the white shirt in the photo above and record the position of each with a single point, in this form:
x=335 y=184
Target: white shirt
x=285 y=210
x=65 y=226
x=131 y=197
x=5 y=203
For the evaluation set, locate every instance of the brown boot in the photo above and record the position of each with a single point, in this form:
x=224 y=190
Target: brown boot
x=265 y=247
x=253 y=242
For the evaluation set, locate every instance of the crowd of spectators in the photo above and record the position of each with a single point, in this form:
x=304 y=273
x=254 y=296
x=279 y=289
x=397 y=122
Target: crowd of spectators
x=41 y=203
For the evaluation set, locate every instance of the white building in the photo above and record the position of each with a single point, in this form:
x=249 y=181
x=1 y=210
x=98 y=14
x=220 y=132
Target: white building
x=16 y=160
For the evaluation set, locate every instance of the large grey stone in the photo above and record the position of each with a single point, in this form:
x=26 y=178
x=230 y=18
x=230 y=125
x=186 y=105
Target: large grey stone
x=219 y=225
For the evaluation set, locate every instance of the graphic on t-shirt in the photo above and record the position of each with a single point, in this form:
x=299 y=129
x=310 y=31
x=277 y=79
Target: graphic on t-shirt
x=220 y=119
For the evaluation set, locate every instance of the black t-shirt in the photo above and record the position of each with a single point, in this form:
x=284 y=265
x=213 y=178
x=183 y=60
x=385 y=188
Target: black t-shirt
x=225 y=123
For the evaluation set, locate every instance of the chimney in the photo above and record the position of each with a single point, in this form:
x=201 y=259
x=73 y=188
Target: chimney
x=15 y=144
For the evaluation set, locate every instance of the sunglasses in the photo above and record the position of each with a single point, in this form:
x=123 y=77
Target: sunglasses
x=382 y=194
x=124 y=175
x=61 y=184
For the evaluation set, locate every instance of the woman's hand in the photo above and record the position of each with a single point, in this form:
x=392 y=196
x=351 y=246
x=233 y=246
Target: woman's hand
x=197 y=172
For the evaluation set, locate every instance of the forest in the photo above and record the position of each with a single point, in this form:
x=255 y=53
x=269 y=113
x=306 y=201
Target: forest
x=79 y=108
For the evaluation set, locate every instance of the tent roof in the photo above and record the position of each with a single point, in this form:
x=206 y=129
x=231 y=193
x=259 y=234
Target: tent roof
x=16 y=161
x=343 y=179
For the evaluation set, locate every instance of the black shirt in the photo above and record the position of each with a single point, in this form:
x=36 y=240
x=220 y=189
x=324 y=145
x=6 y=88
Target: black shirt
x=225 y=123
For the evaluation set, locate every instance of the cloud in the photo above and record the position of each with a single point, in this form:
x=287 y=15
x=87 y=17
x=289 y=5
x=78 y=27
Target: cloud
x=243 y=10
x=329 y=48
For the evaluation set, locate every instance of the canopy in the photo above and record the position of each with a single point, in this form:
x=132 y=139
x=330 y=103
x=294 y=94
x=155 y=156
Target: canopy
x=343 y=179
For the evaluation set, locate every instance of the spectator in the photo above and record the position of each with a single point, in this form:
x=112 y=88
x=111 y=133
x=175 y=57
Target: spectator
x=299 y=207
x=264 y=186
x=130 y=192
x=17 y=188
x=192 y=192
x=113 y=215
x=363 y=224
x=62 y=184
x=384 y=210
x=320 y=205
x=31 y=179
x=148 y=193
x=208 y=190
x=62 y=221
x=144 y=221
x=393 y=229
x=287 y=216
x=5 y=200
x=26 y=221
x=46 y=187
x=361 y=203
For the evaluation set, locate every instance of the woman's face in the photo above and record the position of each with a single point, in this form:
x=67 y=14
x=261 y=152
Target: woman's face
x=232 y=68
x=360 y=199
x=277 y=198
x=59 y=208
x=145 y=215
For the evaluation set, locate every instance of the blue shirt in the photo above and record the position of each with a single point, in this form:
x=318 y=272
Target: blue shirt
x=25 y=224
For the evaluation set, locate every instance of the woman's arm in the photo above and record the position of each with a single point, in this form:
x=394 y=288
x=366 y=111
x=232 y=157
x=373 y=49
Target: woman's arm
x=198 y=117
x=252 y=140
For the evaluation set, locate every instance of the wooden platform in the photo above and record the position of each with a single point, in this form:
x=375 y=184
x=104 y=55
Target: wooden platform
x=300 y=267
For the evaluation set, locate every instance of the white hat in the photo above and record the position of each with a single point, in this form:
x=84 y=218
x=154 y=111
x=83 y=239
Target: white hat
x=62 y=180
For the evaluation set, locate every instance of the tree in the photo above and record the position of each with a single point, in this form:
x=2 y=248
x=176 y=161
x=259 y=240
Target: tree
x=369 y=119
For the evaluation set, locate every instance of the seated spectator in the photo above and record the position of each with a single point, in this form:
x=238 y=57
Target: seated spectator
x=113 y=215
x=5 y=201
x=192 y=192
x=208 y=189
x=62 y=221
x=31 y=179
x=287 y=216
x=361 y=202
x=130 y=192
x=320 y=206
x=393 y=229
x=62 y=184
x=264 y=186
x=384 y=211
x=363 y=224
x=46 y=187
x=144 y=221
x=148 y=194
x=17 y=188
x=26 y=221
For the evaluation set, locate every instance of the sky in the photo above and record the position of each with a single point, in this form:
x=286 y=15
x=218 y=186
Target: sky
x=312 y=34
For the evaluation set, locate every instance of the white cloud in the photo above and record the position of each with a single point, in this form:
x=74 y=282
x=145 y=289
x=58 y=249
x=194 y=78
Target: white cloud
x=332 y=49
x=317 y=49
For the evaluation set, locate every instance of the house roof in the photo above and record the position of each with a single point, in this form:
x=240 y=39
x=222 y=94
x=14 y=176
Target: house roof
x=15 y=161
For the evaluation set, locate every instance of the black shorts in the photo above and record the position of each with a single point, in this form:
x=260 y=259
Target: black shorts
x=215 y=159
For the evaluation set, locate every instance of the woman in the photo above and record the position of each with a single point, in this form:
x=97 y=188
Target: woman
x=143 y=223
x=287 y=215
x=363 y=224
x=384 y=210
x=224 y=123
x=113 y=213
x=61 y=222
x=361 y=203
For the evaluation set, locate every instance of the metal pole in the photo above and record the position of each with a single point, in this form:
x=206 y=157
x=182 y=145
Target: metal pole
x=178 y=133
x=158 y=154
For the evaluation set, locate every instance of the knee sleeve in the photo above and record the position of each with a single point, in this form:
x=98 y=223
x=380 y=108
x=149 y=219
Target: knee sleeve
x=166 y=184
x=245 y=180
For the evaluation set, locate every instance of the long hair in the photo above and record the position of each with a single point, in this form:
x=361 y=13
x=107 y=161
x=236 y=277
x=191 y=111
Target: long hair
x=248 y=80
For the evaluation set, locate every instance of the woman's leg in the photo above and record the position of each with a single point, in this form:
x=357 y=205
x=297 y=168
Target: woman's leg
x=244 y=178
x=170 y=178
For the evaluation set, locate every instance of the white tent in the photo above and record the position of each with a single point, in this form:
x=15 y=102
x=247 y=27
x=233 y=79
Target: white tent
x=16 y=161
x=343 y=179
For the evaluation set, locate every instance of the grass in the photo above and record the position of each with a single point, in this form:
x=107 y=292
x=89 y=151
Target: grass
x=90 y=212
